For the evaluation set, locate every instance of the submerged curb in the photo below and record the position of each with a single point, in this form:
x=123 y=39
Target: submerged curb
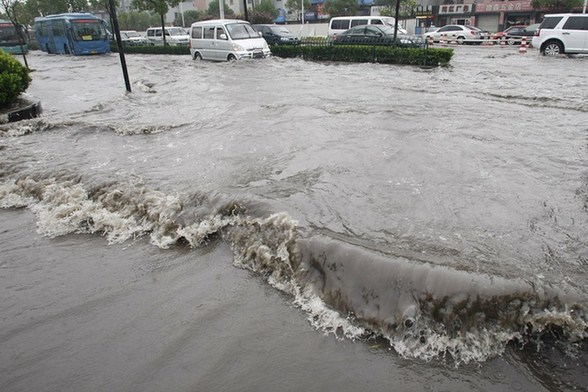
x=24 y=108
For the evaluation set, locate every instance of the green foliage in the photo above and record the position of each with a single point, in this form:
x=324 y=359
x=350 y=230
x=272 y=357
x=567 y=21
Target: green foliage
x=190 y=17
x=557 y=5
x=214 y=9
x=341 y=7
x=14 y=79
x=158 y=6
x=173 y=50
x=261 y=17
x=294 y=5
x=365 y=53
x=266 y=6
x=139 y=21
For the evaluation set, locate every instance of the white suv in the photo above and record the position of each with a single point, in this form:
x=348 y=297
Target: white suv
x=562 y=33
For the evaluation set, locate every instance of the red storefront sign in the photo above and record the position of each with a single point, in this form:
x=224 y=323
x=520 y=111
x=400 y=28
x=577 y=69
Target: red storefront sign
x=507 y=6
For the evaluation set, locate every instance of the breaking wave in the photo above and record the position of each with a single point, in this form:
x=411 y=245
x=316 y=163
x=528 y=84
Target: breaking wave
x=421 y=310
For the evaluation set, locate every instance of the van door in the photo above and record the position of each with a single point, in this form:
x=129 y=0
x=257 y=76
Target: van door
x=224 y=45
x=208 y=52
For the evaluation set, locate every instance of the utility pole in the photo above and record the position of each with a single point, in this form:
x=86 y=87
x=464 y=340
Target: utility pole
x=121 y=53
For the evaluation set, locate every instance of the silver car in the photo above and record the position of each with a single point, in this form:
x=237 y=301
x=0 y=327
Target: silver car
x=458 y=33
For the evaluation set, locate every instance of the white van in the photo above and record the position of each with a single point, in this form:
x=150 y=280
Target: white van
x=341 y=23
x=225 y=40
x=174 y=36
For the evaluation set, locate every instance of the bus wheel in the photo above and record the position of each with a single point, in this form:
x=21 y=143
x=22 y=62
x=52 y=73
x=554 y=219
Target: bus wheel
x=65 y=49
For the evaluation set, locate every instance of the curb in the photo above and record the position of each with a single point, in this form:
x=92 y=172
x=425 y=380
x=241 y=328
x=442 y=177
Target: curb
x=23 y=109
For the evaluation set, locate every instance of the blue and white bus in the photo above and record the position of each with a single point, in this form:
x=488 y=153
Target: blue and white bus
x=73 y=33
x=12 y=40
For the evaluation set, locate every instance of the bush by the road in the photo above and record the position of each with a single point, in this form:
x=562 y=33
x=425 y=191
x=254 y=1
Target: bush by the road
x=321 y=50
x=153 y=49
x=14 y=79
x=364 y=53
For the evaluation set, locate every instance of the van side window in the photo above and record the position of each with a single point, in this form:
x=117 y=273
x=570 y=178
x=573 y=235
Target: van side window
x=219 y=31
x=150 y=33
x=197 y=32
x=158 y=33
x=377 y=21
x=340 y=24
x=209 y=32
x=357 y=22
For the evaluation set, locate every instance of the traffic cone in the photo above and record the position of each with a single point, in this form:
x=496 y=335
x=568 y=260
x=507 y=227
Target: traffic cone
x=523 y=47
x=431 y=40
x=442 y=39
x=502 y=42
x=453 y=40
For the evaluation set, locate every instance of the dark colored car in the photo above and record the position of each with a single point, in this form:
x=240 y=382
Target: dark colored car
x=514 y=34
x=376 y=35
x=276 y=34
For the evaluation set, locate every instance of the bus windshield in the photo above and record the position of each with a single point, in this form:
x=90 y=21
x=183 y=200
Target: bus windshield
x=88 y=30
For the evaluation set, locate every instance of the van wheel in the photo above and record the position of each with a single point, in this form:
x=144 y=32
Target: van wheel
x=197 y=56
x=553 y=48
x=231 y=57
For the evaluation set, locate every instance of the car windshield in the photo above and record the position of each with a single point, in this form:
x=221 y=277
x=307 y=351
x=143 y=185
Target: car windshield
x=174 y=31
x=241 y=31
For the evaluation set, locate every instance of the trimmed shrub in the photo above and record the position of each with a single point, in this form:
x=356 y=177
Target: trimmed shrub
x=14 y=79
x=365 y=54
x=175 y=50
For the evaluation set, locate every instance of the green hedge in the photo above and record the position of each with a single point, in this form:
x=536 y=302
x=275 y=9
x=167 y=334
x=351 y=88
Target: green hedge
x=14 y=79
x=320 y=50
x=363 y=53
x=174 y=50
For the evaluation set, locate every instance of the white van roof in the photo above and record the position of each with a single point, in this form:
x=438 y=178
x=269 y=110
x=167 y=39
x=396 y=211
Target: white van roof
x=219 y=21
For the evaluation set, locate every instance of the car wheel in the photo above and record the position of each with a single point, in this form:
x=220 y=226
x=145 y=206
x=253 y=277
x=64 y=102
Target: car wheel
x=231 y=57
x=511 y=41
x=553 y=48
x=460 y=40
x=197 y=56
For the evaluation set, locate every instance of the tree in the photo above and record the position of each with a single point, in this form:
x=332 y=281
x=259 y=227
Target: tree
x=190 y=17
x=341 y=7
x=294 y=5
x=214 y=9
x=49 y=7
x=160 y=7
x=557 y=5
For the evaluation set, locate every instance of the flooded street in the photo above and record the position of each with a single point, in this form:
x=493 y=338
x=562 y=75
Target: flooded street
x=285 y=225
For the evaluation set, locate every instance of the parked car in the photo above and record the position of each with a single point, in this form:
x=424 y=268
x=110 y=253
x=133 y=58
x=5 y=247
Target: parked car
x=562 y=33
x=174 y=36
x=132 y=38
x=276 y=34
x=514 y=34
x=461 y=33
x=376 y=35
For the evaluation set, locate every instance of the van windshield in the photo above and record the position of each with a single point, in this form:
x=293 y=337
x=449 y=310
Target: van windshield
x=241 y=31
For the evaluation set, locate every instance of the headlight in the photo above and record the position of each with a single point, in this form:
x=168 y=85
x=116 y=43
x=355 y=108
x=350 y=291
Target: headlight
x=238 y=48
